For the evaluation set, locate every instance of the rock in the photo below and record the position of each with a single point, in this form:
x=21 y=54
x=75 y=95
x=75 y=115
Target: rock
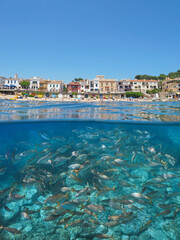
x=101 y=229
x=145 y=236
x=124 y=237
x=157 y=234
x=64 y=235
x=28 y=228
x=131 y=228
x=134 y=237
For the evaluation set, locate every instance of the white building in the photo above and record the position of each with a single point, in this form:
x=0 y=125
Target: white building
x=84 y=86
x=55 y=86
x=35 y=82
x=12 y=83
x=143 y=85
x=94 y=85
x=2 y=81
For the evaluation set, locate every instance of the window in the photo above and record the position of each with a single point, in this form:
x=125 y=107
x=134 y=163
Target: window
x=97 y=85
x=101 y=89
x=57 y=86
x=111 y=84
x=106 y=84
x=50 y=85
x=8 y=81
x=101 y=84
x=53 y=86
x=111 y=89
x=14 y=81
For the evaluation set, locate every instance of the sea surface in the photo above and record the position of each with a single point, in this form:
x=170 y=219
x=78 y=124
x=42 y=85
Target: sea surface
x=108 y=170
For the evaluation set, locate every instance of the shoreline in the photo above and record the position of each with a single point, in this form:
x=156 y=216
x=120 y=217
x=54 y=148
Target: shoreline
x=12 y=98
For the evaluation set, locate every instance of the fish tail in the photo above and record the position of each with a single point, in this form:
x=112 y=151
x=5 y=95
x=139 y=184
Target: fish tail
x=73 y=190
x=66 y=196
x=57 y=205
x=112 y=237
x=82 y=207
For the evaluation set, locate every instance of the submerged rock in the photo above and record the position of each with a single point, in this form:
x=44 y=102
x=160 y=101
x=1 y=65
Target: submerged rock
x=124 y=237
x=145 y=236
x=157 y=234
x=134 y=237
x=64 y=235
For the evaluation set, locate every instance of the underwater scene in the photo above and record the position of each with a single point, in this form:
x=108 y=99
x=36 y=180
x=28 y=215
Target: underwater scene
x=91 y=180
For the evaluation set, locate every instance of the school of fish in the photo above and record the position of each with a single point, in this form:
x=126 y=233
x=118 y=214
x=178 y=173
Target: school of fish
x=93 y=184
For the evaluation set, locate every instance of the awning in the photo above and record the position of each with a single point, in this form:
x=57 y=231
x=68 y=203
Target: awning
x=5 y=85
x=12 y=85
x=178 y=93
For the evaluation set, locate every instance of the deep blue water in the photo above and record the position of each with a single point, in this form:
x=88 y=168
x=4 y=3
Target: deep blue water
x=127 y=158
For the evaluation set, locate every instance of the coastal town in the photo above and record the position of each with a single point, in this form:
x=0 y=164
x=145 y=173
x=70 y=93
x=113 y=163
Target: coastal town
x=97 y=88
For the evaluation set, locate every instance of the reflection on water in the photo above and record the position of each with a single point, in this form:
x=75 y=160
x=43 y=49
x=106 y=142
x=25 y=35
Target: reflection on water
x=154 y=111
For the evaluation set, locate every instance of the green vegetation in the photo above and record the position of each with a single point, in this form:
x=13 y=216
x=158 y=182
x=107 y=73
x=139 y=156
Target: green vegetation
x=75 y=93
x=154 y=91
x=162 y=76
x=25 y=84
x=39 y=93
x=77 y=79
x=134 y=94
x=65 y=89
x=24 y=93
x=31 y=95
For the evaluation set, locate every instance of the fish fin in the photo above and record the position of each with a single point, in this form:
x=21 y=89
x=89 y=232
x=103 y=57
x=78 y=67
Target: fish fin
x=82 y=207
x=57 y=205
x=112 y=237
x=113 y=188
x=66 y=196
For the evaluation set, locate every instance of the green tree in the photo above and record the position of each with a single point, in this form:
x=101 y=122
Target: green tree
x=78 y=79
x=134 y=94
x=162 y=76
x=65 y=89
x=25 y=84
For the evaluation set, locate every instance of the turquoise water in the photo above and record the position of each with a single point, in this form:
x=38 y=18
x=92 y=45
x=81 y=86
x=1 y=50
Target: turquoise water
x=89 y=178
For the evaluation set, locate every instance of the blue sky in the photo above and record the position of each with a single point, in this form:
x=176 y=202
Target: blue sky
x=64 y=39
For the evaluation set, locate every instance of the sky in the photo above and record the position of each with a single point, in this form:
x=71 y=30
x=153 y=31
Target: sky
x=67 y=39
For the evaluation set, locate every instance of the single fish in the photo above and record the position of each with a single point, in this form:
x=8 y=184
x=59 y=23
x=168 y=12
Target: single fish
x=56 y=198
x=163 y=213
x=11 y=230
